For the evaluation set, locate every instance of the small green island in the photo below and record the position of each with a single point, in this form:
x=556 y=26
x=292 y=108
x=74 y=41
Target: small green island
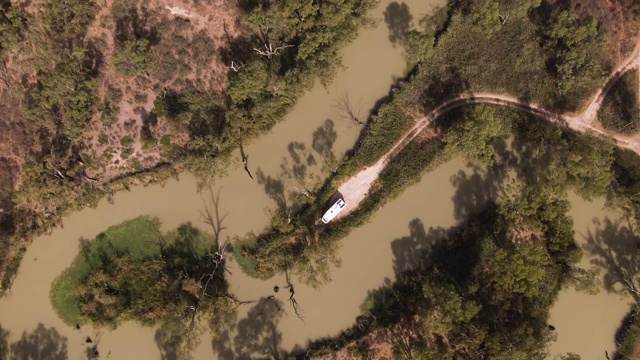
x=134 y=272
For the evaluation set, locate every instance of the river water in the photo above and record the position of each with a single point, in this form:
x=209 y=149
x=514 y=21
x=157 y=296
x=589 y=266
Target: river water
x=371 y=255
x=372 y=64
x=586 y=324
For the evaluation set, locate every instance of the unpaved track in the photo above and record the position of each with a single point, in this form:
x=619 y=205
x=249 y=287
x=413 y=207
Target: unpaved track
x=357 y=187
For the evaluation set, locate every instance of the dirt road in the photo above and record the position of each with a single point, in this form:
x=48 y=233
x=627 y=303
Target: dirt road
x=357 y=187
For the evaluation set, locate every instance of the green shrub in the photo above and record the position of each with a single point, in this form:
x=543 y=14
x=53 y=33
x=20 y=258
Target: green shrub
x=135 y=163
x=108 y=153
x=126 y=152
x=126 y=140
x=103 y=138
x=620 y=109
x=131 y=58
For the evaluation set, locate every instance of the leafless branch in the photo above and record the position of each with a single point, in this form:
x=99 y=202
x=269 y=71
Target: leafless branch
x=632 y=287
x=347 y=111
x=238 y=302
x=218 y=260
x=58 y=173
x=235 y=67
x=292 y=300
x=269 y=51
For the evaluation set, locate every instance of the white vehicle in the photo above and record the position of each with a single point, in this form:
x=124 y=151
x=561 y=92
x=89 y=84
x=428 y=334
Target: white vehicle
x=333 y=211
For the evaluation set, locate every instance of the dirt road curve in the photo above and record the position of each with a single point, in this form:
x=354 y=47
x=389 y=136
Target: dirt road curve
x=357 y=187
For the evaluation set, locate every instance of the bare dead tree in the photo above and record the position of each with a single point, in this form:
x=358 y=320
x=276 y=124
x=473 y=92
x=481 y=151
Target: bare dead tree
x=292 y=300
x=348 y=112
x=235 y=66
x=218 y=259
x=269 y=51
x=213 y=218
x=306 y=184
x=237 y=302
x=631 y=287
x=503 y=19
x=57 y=172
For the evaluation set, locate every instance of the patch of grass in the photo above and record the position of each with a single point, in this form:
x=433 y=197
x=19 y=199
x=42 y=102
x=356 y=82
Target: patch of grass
x=103 y=138
x=149 y=143
x=165 y=141
x=620 y=110
x=107 y=154
x=168 y=149
x=126 y=152
x=247 y=264
x=90 y=162
x=109 y=113
x=126 y=140
x=135 y=163
x=389 y=125
x=134 y=237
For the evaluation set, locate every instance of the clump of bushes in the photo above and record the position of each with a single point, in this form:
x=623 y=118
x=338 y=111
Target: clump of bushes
x=620 y=110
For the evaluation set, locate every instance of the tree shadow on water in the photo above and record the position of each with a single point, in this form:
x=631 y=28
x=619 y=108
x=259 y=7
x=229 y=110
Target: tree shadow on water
x=301 y=159
x=41 y=343
x=167 y=350
x=474 y=191
x=223 y=345
x=294 y=167
x=411 y=252
x=211 y=213
x=257 y=335
x=274 y=188
x=398 y=20
x=615 y=248
x=323 y=139
x=4 y=342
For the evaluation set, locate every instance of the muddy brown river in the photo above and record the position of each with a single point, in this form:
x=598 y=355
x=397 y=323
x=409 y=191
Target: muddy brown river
x=371 y=255
x=586 y=324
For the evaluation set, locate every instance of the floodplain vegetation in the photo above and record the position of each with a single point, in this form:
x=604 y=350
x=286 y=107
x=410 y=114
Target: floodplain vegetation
x=620 y=110
x=484 y=289
x=99 y=95
x=491 y=300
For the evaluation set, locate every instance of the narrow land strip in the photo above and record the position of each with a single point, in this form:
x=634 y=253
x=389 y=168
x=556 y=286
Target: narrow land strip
x=357 y=187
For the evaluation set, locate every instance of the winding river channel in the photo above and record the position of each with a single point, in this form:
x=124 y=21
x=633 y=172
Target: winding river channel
x=371 y=255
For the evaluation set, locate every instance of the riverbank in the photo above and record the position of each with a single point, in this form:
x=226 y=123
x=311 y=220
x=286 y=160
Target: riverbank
x=241 y=200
